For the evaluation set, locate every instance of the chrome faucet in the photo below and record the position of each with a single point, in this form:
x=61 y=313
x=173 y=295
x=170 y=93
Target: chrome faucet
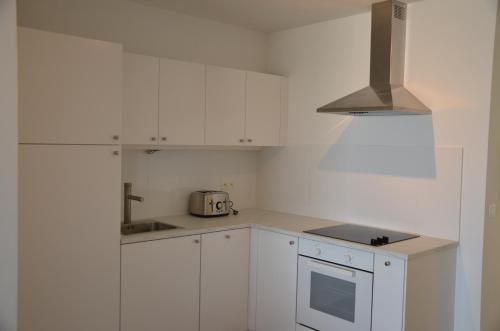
x=127 y=203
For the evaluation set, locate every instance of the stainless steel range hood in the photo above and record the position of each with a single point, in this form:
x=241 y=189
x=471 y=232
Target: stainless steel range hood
x=386 y=94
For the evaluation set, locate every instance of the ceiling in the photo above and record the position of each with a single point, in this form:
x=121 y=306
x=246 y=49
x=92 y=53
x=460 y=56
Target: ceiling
x=265 y=15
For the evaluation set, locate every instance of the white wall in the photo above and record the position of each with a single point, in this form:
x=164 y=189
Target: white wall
x=490 y=317
x=149 y=30
x=402 y=172
x=8 y=166
x=166 y=178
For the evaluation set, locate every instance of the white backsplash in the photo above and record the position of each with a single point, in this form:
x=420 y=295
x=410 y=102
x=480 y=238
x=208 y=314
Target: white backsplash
x=165 y=179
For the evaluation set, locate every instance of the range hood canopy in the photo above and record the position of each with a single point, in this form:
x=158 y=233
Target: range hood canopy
x=386 y=94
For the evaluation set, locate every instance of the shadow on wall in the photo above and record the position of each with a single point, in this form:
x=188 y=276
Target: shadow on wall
x=384 y=146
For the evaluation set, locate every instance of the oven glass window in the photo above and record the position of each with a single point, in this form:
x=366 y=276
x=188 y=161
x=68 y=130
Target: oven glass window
x=333 y=296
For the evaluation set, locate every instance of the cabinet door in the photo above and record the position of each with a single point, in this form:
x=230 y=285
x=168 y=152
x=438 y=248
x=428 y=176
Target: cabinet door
x=225 y=262
x=140 y=99
x=388 y=294
x=69 y=238
x=160 y=285
x=182 y=103
x=276 y=282
x=70 y=89
x=263 y=109
x=225 y=123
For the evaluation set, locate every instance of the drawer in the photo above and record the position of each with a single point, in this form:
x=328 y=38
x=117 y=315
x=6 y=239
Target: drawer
x=351 y=257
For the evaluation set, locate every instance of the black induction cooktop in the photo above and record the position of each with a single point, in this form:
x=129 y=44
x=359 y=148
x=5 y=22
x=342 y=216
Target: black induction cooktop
x=362 y=234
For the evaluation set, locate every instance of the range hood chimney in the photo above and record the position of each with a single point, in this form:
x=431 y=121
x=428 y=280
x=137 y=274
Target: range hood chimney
x=386 y=94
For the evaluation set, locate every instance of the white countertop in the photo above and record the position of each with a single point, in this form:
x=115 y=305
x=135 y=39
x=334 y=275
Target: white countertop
x=284 y=223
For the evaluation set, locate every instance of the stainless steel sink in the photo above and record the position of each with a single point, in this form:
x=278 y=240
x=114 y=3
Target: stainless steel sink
x=146 y=226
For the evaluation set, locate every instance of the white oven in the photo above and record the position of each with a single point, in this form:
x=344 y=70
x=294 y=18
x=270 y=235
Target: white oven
x=333 y=296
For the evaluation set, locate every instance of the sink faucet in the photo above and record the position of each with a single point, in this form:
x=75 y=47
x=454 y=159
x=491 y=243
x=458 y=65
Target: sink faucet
x=128 y=197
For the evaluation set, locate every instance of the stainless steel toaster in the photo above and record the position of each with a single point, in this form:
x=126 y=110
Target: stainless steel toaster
x=209 y=203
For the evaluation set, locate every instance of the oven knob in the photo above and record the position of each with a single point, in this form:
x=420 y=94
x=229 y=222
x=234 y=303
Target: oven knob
x=318 y=251
x=348 y=258
x=218 y=205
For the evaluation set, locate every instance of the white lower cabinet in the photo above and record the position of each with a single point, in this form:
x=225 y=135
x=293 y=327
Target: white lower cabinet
x=69 y=238
x=160 y=285
x=225 y=258
x=388 y=293
x=246 y=280
x=276 y=281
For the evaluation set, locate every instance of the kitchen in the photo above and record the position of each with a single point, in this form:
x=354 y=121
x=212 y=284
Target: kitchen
x=178 y=98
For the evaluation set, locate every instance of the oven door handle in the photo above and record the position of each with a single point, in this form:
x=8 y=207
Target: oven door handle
x=331 y=268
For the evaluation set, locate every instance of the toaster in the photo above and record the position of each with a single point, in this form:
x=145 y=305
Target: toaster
x=209 y=203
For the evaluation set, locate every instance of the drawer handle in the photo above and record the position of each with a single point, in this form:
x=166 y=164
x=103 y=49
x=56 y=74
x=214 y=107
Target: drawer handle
x=331 y=268
x=387 y=263
x=228 y=236
x=292 y=242
x=197 y=241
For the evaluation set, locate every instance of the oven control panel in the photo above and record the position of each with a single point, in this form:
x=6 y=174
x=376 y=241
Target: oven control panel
x=350 y=257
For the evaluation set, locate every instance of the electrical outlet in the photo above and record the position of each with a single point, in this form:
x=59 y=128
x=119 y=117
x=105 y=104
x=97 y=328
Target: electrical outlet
x=492 y=210
x=227 y=186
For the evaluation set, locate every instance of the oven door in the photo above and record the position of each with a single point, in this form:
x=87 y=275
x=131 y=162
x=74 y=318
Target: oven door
x=331 y=297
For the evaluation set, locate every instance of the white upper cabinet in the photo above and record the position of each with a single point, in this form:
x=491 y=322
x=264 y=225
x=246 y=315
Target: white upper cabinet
x=169 y=102
x=182 y=103
x=263 y=109
x=225 y=258
x=140 y=97
x=244 y=108
x=225 y=123
x=70 y=89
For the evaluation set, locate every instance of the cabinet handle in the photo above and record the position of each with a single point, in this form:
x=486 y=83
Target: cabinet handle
x=387 y=263
x=116 y=153
x=292 y=242
x=116 y=137
x=153 y=138
x=163 y=138
x=242 y=140
x=249 y=140
x=228 y=236
x=197 y=241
